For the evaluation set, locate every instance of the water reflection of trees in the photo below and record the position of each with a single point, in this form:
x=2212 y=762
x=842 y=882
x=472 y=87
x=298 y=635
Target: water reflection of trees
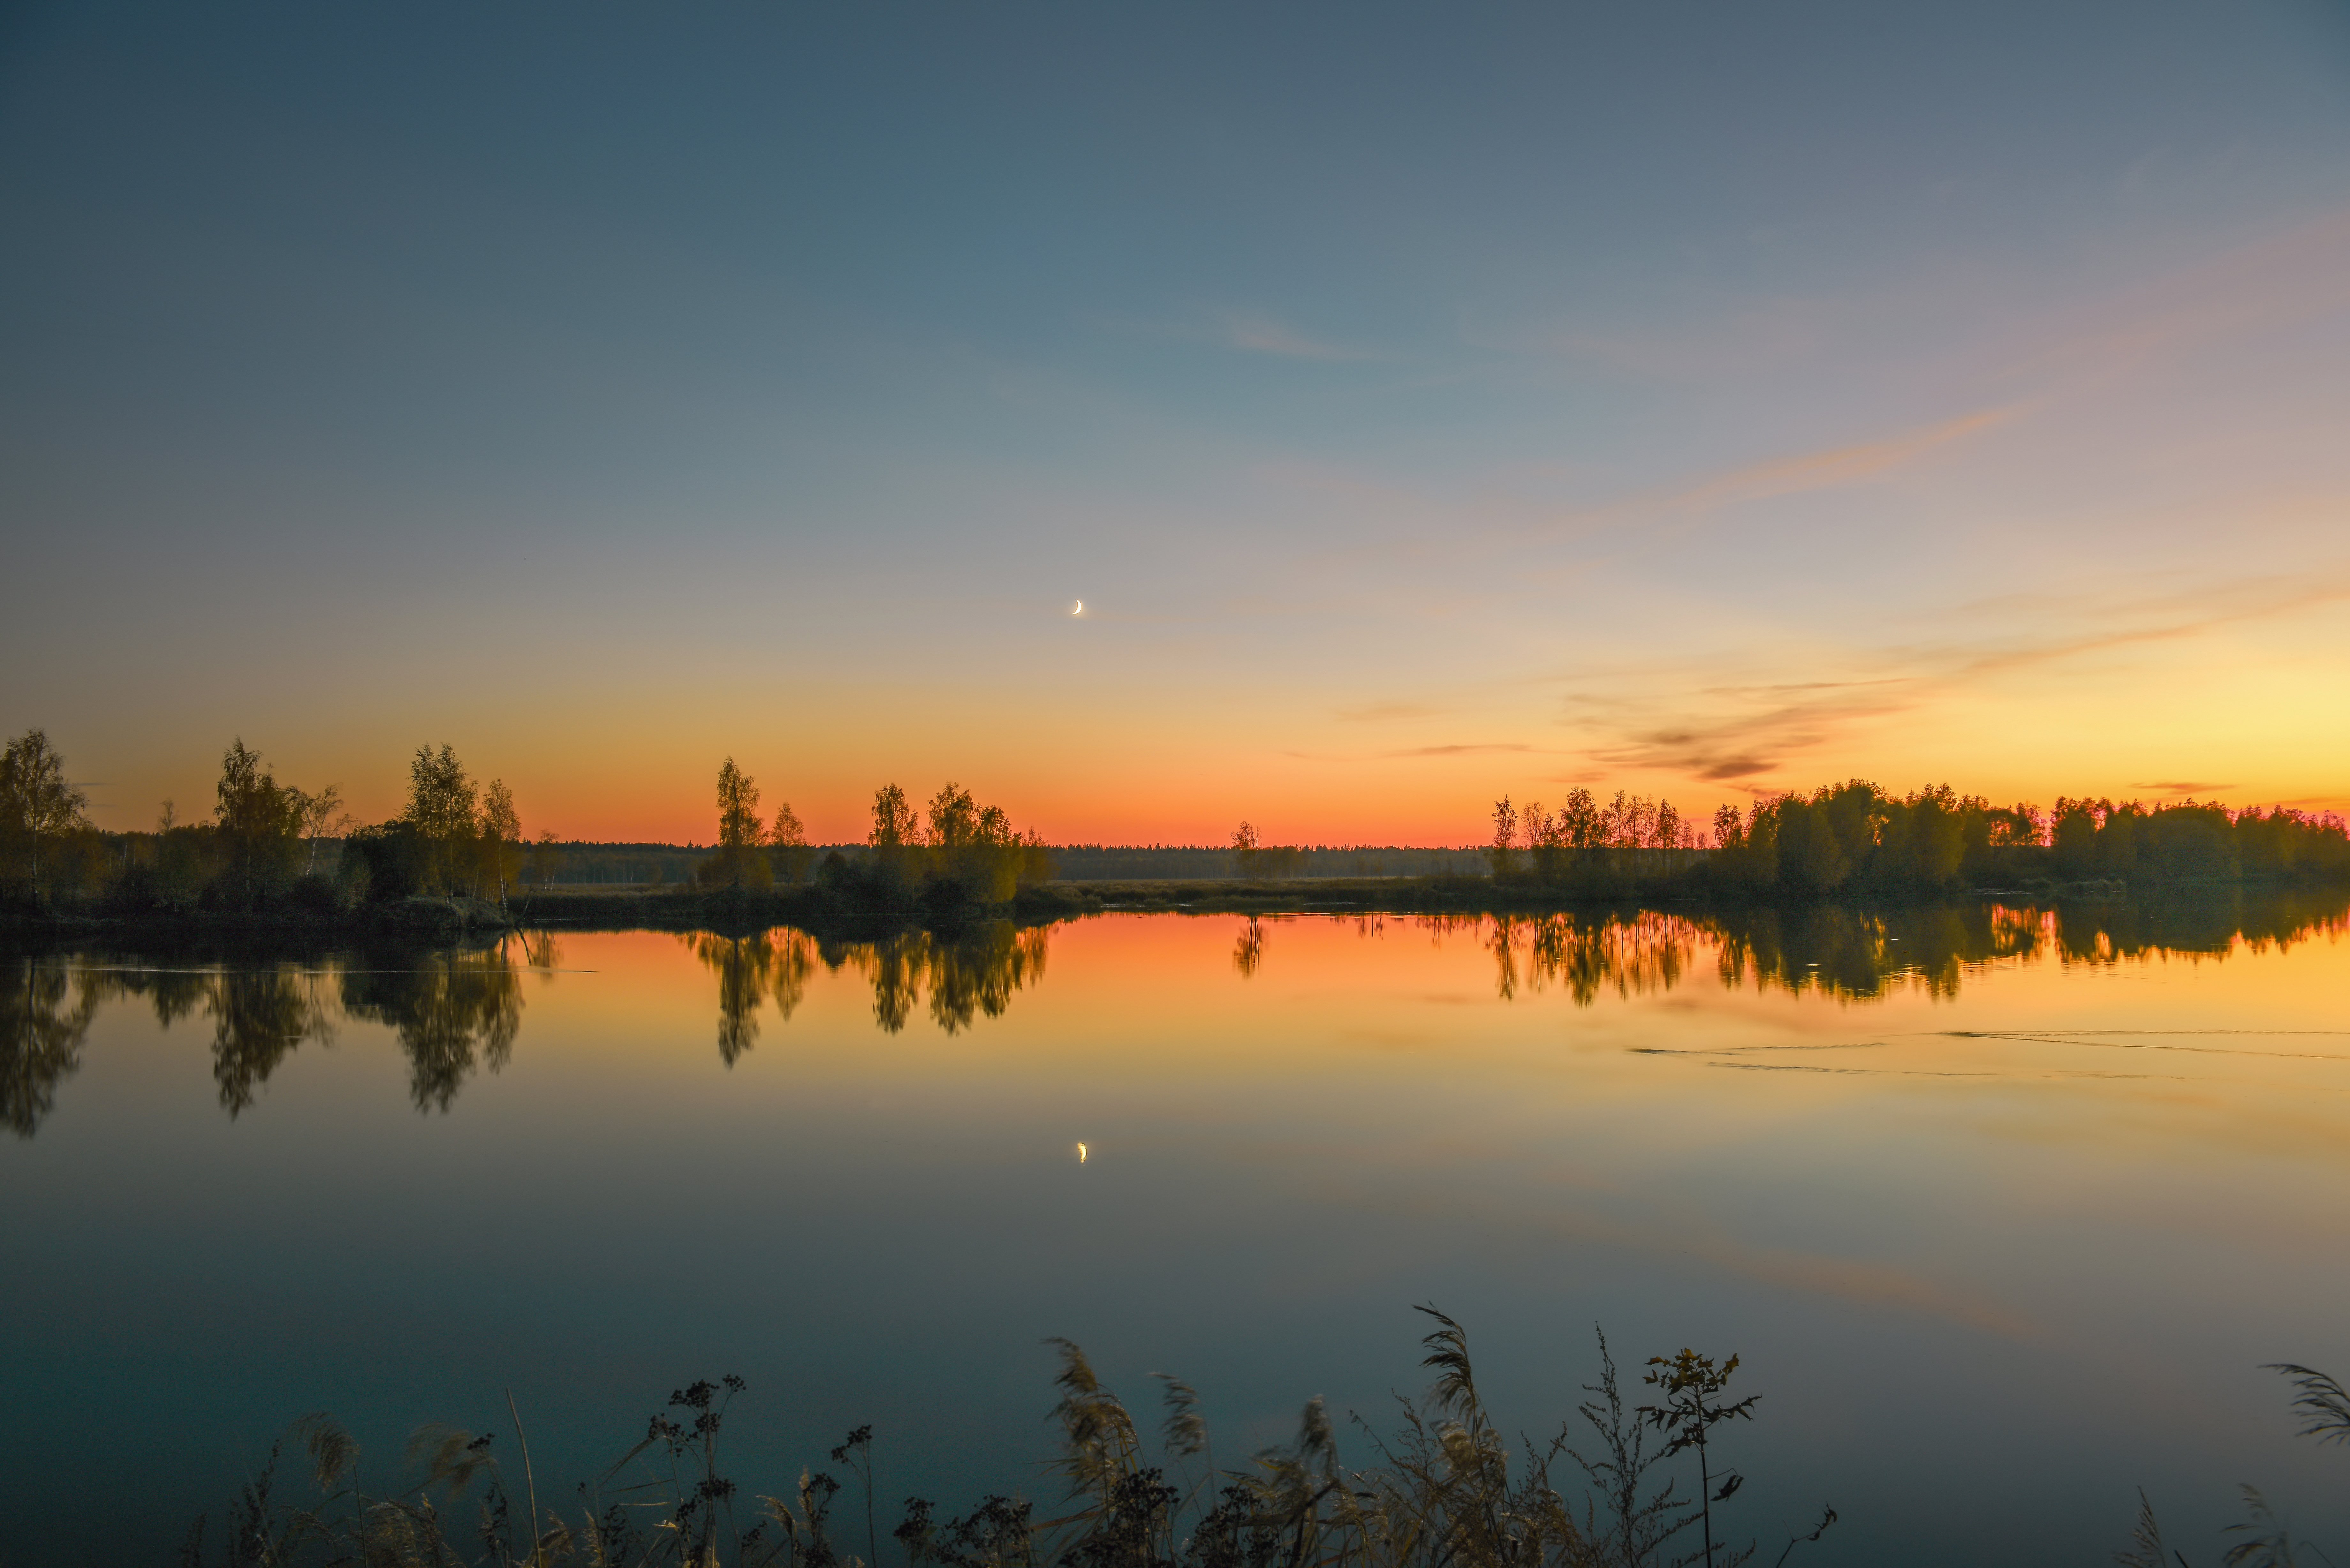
x=752 y=971
x=453 y=1012
x=45 y=1015
x=1832 y=949
x=1630 y=954
x=258 y=1016
x=972 y=971
x=1248 y=950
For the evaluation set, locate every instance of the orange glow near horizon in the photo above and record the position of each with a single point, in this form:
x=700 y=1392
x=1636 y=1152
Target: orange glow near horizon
x=2231 y=700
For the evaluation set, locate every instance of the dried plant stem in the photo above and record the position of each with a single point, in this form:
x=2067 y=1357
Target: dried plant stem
x=530 y=1482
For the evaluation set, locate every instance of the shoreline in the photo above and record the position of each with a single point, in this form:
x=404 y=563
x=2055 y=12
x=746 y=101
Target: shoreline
x=458 y=919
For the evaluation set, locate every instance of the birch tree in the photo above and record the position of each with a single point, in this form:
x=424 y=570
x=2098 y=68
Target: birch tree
x=501 y=835
x=440 y=809
x=37 y=807
x=259 y=823
x=739 y=828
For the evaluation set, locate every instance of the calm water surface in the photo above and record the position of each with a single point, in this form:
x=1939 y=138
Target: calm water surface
x=2001 y=1207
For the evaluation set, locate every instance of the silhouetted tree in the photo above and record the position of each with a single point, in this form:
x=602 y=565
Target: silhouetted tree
x=1501 y=852
x=318 y=815
x=1582 y=823
x=441 y=814
x=2073 y=836
x=500 y=830
x=39 y=809
x=2118 y=840
x=894 y=825
x=260 y=825
x=546 y=859
x=1921 y=840
x=185 y=855
x=955 y=817
x=788 y=840
x=740 y=833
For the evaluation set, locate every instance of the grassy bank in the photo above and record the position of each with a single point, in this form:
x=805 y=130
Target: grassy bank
x=1617 y=1484
x=1689 y=888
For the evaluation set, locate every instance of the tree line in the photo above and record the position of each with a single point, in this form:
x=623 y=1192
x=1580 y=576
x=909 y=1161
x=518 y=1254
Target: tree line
x=1528 y=840
x=1858 y=836
x=1258 y=861
x=957 y=852
x=266 y=843
x=752 y=852
x=262 y=843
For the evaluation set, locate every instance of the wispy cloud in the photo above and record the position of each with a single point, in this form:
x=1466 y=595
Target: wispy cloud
x=1256 y=333
x=1248 y=331
x=1733 y=748
x=1831 y=467
x=2182 y=786
x=1770 y=724
x=1795 y=474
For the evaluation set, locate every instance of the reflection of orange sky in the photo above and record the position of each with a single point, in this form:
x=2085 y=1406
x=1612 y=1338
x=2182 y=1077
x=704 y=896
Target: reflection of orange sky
x=1373 y=1064
x=1371 y=1067
x=1384 y=992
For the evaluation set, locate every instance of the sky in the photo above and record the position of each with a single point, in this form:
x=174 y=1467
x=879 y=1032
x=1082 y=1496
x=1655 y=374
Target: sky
x=1424 y=405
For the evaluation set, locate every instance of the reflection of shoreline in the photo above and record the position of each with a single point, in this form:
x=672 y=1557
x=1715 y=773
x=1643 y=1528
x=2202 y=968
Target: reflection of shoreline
x=451 y=1012
x=1856 y=954
x=456 y=1012
x=968 y=973
x=751 y=971
x=1591 y=880
x=1851 y=954
x=45 y=1015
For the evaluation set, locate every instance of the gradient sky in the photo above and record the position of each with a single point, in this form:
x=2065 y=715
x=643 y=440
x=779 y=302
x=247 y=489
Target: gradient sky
x=1426 y=405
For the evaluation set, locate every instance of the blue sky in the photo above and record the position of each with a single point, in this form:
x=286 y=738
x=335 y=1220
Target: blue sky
x=1701 y=399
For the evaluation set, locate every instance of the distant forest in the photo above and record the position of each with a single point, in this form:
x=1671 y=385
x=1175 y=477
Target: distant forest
x=270 y=845
x=585 y=864
x=1858 y=837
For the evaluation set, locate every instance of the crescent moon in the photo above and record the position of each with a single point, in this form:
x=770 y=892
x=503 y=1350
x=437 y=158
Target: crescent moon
x=1081 y=1154
x=1078 y=608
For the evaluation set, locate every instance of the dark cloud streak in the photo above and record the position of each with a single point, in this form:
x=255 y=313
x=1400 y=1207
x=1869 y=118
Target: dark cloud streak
x=1800 y=715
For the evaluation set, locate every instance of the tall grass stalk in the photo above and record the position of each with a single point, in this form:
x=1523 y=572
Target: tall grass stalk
x=1445 y=1488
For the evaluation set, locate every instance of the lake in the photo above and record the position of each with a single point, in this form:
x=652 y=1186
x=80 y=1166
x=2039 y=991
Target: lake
x=2002 y=1206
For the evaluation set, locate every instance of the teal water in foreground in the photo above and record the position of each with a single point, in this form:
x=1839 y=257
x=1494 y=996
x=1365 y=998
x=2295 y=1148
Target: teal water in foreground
x=2002 y=1207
